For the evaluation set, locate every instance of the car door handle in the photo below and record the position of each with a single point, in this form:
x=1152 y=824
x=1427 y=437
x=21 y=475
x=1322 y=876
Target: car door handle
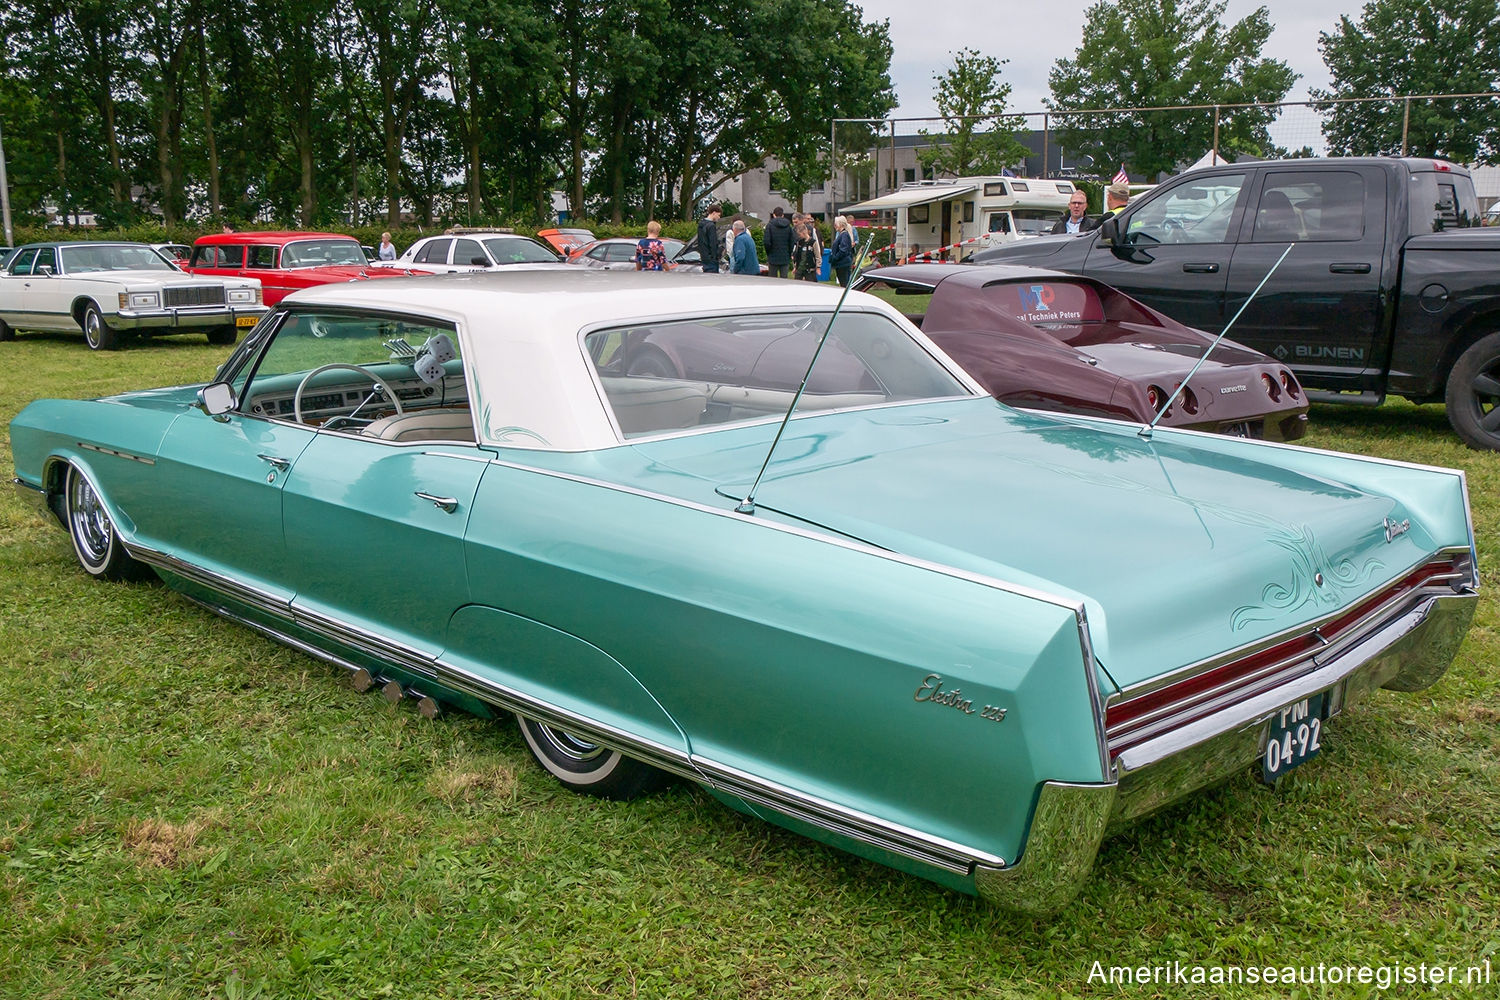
x=1209 y=268
x=281 y=463
x=1349 y=268
x=446 y=504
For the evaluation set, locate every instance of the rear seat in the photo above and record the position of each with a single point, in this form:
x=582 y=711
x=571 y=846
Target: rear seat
x=646 y=405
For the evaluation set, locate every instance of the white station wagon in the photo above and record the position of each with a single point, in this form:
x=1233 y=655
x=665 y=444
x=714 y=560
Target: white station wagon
x=106 y=289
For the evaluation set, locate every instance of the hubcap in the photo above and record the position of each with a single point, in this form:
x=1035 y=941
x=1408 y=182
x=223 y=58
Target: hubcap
x=91 y=327
x=570 y=746
x=91 y=526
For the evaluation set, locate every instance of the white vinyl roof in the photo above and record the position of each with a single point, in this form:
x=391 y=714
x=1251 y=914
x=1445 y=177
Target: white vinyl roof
x=907 y=197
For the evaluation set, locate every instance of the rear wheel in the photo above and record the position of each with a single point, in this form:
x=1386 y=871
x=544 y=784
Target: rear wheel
x=588 y=767
x=6 y=333
x=652 y=363
x=1473 y=395
x=221 y=335
x=99 y=334
x=95 y=541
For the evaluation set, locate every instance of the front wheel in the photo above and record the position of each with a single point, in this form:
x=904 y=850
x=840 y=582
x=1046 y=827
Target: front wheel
x=6 y=333
x=222 y=335
x=99 y=334
x=588 y=767
x=1473 y=394
x=95 y=541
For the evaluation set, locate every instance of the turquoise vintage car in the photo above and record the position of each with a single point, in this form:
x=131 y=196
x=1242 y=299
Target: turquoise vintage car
x=960 y=639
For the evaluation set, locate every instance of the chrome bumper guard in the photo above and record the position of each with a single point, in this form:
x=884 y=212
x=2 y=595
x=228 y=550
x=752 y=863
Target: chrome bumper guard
x=192 y=317
x=1407 y=653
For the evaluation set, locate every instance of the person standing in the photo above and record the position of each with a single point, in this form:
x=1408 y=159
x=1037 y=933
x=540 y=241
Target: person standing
x=708 y=238
x=650 y=253
x=1076 y=219
x=1116 y=197
x=841 y=256
x=778 y=237
x=744 y=259
x=387 y=249
x=805 y=258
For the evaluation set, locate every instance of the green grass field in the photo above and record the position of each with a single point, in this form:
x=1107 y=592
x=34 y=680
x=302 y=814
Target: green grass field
x=188 y=810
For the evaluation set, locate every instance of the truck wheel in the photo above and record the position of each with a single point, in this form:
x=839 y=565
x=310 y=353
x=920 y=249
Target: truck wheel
x=1473 y=396
x=99 y=334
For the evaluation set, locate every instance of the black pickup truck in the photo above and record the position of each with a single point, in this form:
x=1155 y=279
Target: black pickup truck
x=1389 y=288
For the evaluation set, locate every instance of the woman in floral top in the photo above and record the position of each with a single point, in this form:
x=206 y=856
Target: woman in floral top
x=650 y=253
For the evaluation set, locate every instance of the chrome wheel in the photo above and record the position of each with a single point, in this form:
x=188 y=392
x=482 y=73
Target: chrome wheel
x=99 y=335
x=95 y=541
x=585 y=766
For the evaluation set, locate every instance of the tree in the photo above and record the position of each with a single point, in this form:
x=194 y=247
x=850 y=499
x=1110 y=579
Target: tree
x=980 y=136
x=1401 y=47
x=1166 y=53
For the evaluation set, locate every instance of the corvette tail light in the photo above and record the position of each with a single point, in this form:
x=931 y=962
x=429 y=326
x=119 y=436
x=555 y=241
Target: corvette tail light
x=1273 y=388
x=1155 y=396
x=1290 y=385
x=1187 y=398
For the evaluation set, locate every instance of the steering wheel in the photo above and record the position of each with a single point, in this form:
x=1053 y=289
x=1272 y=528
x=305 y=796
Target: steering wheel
x=385 y=387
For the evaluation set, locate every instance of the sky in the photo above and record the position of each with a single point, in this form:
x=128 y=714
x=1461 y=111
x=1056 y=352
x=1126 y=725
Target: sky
x=1034 y=35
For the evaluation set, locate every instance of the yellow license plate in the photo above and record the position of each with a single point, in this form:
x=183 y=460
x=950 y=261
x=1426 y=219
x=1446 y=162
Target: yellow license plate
x=246 y=320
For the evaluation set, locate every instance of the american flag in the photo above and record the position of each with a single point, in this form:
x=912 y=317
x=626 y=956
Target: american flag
x=1121 y=177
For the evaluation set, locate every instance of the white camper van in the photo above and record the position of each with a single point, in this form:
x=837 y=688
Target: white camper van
x=967 y=214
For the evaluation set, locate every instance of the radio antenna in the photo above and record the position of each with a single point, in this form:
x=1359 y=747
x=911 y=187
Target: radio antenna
x=1145 y=431
x=747 y=505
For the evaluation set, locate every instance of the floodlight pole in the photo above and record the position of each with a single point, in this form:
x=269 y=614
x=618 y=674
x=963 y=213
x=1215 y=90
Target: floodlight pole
x=5 y=195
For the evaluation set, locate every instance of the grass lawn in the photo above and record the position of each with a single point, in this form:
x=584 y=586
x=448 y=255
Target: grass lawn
x=189 y=810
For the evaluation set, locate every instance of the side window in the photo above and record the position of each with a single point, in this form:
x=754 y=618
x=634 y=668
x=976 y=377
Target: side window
x=261 y=256
x=22 y=263
x=619 y=252
x=204 y=257
x=435 y=252
x=999 y=222
x=597 y=253
x=464 y=252
x=1193 y=212
x=45 y=257
x=1322 y=206
x=231 y=256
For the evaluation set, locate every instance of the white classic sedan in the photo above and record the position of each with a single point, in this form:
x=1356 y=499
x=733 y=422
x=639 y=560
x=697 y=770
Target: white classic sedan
x=453 y=253
x=106 y=289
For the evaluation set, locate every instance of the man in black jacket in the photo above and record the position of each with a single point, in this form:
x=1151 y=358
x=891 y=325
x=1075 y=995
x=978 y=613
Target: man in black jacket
x=778 y=240
x=1076 y=220
x=708 y=238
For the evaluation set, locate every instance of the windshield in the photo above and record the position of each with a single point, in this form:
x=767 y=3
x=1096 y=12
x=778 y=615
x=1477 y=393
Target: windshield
x=1034 y=221
x=712 y=371
x=112 y=257
x=319 y=253
x=519 y=250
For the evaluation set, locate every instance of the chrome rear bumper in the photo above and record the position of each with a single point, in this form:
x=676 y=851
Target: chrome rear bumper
x=1406 y=653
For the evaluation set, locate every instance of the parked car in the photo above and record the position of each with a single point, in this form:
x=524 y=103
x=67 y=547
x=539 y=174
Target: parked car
x=618 y=253
x=449 y=254
x=566 y=241
x=1388 y=288
x=286 y=262
x=176 y=254
x=109 y=289
x=1056 y=341
x=941 y=633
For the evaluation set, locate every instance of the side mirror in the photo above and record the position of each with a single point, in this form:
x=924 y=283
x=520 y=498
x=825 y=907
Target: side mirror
x=45 y=271
x=1109 y=229
x=479 y=261
x=216 y=399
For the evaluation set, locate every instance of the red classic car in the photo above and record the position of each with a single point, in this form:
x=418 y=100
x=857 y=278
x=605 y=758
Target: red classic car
x=286 y=262
x=1055 y=341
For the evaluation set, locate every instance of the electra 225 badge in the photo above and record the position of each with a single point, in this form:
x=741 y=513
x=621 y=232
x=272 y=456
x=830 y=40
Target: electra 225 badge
x=932 y=692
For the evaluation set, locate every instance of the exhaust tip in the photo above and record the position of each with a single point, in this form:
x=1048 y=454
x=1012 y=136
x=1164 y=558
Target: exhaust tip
x=362 y=680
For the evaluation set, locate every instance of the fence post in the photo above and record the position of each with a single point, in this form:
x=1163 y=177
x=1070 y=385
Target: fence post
x=1045 y=136
x=1216 y=135
x=894 y=183
x=1405 y=122
x=833 y=168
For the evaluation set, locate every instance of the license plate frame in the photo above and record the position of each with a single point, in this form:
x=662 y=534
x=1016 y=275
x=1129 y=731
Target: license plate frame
x=1294 y=736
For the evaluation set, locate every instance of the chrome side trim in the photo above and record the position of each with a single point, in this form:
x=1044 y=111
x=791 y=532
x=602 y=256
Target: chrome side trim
x=370 y=643
x=244 y=593
x=936 y=851
x=1096 y=697
x=1066 y=829
x=31 y=496
x=728 y=511
x=144 y=460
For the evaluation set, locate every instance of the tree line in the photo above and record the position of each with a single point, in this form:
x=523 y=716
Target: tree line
x=302 y=110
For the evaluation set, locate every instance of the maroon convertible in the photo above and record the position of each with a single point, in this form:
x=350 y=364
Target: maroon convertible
x=1056 y=341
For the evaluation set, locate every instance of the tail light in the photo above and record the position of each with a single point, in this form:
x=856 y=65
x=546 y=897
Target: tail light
x=1273 y=388
x=1155 y=396
x=1290 y=384
x=1187 y=399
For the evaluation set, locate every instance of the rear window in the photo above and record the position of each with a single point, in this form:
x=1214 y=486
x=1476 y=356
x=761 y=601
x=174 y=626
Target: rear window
x=1442 y=200
x=713 y=371
x=1048 y=304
